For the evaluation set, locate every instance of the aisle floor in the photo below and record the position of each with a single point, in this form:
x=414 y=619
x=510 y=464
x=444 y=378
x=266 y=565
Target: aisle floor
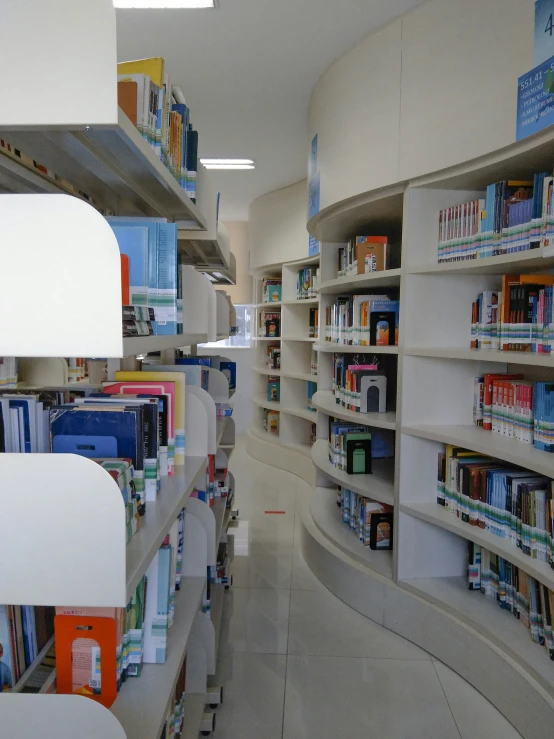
x=297 y=663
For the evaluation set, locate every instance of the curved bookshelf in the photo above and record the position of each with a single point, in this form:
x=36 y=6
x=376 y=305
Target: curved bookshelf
x=262 y=402
x=378 y=486
x=387 y=278
x=528 y=358
x=325 y=401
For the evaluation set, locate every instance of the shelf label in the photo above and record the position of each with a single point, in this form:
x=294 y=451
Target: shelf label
x=535 y=100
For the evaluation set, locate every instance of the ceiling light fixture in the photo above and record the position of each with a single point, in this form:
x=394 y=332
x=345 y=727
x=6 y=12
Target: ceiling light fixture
x=151 y=4
x=228 y=163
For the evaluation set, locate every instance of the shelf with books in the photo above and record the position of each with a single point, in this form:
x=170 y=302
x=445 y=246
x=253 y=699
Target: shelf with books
x=307 y=376
x=300 y=301
x=379 y=485
x=146 y=344
x=142 y=706
x=266 y=371
x=330 y=346
x=486 y=442
x=274 y=304
x=533 y=259
x=262 y=402
x=488 y=620
x=325 y=401
x=435 y=514
x=385 y=278
x=527 y=358
x=327 y=517
x=113 y=164
x=174 y=494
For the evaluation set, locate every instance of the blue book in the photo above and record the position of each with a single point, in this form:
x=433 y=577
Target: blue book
x=166 y=300
x=29 y=633
x=133 y=241
x=206 y=361
x=23 y=405
x=229 y=369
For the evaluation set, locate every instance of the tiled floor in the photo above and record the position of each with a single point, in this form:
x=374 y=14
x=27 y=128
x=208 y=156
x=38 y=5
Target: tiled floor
x=297 y=663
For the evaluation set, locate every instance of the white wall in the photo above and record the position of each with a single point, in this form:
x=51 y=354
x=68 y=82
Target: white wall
x=436 y=87
x=242 y=291
x=242 y=399
x=277 y=226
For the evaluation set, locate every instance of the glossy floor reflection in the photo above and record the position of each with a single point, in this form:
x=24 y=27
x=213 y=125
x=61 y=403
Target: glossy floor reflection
x=295 y=662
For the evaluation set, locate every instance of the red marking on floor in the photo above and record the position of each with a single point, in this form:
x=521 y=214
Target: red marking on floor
x=280 y=513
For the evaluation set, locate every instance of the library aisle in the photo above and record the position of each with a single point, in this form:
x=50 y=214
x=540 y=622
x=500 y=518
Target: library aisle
x=297 y=663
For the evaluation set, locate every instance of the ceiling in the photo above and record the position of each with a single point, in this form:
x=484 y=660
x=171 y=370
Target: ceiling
x=247 y=71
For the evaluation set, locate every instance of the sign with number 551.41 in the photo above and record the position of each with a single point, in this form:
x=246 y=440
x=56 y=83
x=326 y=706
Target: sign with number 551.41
x=535 y=100
x=544 y=30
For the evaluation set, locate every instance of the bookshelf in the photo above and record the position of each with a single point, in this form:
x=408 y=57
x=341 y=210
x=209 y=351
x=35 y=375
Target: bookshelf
x=292 y=444
x=420 y=589
x=92 y=144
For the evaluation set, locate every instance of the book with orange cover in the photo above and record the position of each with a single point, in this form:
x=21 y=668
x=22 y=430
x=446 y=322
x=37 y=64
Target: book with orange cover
x=125 y=280
x=127 y=99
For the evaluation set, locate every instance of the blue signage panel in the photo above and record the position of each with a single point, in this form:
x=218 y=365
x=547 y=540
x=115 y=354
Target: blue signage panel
x=544 y=31
x=313 y=247
x=535 y=100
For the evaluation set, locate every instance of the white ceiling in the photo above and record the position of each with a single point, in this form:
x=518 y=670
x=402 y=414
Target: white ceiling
x=247 y=70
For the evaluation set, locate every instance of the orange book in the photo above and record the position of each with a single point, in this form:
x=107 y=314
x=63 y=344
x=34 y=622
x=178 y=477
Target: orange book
x=125 y=284
x=127 y=100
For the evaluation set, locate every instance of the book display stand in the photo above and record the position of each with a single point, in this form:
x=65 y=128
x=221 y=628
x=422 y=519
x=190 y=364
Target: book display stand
x=91 y=143
x=290 y=446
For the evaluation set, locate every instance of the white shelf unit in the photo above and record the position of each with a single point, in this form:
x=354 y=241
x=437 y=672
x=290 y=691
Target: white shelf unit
x=295 y=419
x=434 y=399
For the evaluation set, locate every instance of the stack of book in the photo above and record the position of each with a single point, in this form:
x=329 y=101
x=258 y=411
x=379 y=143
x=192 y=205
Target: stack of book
x=307 y=283
x=274 y=357
x=271 y=422
x=24 y=632
x=517 y=318
x=370 y=521
x=514 y=504
x=271 y=290
x=514 y=216
x=159 y=111
x=138 y=320
x=363 y=320
x=314 y=323
x=176 y=709
x=269 y=324
x=274 y=388
x=363 y=255
x=360 y=382
x=8 y=372
x=154 y=273
x=352 y=446
x=515 y=591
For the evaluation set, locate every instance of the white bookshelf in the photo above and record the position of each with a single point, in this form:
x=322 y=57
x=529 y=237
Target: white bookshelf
x=435 y=371
x=295 y=419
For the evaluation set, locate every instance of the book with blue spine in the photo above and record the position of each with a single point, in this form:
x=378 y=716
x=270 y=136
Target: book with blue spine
x=133 y=242
x=166 y=279
x=156 y=612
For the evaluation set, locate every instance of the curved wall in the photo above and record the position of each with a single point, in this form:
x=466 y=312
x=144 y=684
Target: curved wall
x=277 y=226
x=434 y=88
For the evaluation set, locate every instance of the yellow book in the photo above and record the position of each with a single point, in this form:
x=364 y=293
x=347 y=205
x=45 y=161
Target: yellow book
x=179 y=379
x=154 y=67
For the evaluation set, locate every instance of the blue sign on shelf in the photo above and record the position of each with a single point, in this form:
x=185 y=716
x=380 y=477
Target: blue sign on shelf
x=313 y=196
x=544 y=31
x=535 y=100
x=313 y=247
x=313 y=156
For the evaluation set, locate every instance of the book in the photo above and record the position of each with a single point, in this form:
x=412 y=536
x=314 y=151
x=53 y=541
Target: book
x=7 y=669
x=156 y=613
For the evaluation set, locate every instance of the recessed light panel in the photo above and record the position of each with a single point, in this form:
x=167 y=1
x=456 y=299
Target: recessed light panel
x=164 y=3
x=228 y=163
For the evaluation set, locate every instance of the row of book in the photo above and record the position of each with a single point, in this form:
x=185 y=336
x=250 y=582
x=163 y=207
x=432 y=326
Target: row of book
x=307 y=282
x=370 y=521
x=363 y=320
x=159 y=111
x=274 y=357
x=313 y=328
x=175 y=715
x=272 y=290
x=138 y=320
x=512 y=503
x=24 y=632
x=508 y=405
x=269 y=324
x=352 y=447
x=514 y=216
x=516 y=318
x=360 y=382
x=8 y=372
x=515 y=591
x=363 y=255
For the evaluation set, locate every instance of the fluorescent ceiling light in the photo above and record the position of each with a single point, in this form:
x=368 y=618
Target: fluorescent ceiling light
x=164 y=3
x=209 y=160
x=229 y=166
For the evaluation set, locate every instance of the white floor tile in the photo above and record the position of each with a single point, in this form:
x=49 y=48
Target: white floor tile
x=302 y=577
x=332 y=697
x=253 y=696
x=321 y=624
x=256 y=621
x=262 y=571
x=475 y=717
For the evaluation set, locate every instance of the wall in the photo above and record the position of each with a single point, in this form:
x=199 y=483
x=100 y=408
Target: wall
x=241 y=293
x=277 y=226
x=436 y=87
x=242 y=399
